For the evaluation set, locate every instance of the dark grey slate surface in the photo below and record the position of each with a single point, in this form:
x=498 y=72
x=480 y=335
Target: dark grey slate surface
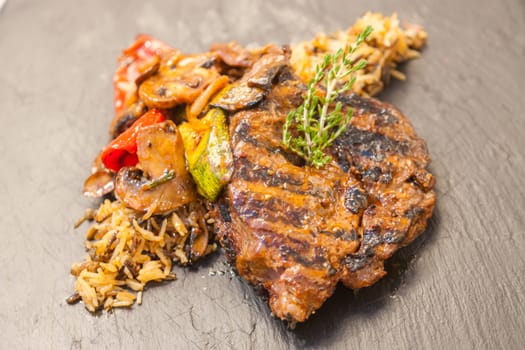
x=463 y=288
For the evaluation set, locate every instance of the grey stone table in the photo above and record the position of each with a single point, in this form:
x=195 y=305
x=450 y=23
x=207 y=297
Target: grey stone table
x=460 y=286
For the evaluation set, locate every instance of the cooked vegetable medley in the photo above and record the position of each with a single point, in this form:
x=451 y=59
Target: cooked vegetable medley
x=170 y=156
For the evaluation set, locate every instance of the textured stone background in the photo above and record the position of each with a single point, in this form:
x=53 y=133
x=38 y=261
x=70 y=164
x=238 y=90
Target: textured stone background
x=460 y=285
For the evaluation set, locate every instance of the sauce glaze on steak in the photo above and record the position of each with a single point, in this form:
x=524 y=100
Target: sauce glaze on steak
x=296 y=230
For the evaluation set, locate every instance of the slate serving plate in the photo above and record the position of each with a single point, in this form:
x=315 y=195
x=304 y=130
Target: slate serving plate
x=459 y=286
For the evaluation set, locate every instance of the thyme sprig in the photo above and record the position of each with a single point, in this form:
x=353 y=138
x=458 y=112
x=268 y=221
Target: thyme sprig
x=165 y=177
x=317 y=126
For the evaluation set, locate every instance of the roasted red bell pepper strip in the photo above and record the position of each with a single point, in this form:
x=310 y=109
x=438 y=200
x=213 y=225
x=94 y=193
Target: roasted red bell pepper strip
x=122 y=151
x=143 y=50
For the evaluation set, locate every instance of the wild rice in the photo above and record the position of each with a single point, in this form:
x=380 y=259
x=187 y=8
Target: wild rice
x=89 y=214
x=125 y=253
x=388 y=45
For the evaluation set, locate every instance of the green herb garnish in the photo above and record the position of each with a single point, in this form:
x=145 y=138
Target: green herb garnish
x=167 y=176
x=318 y=127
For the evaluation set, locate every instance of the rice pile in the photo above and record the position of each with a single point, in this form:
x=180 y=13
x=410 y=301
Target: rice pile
x=125 y=253
x=388 y=45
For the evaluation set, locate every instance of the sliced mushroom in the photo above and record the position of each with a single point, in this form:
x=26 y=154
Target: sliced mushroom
x=179 y=80
x=98 y=184
x=264 y=70
x=233 y=54
x=147 y=69
x=239 y=96
x=160 y=148
x=253 y=86
x=147 y=188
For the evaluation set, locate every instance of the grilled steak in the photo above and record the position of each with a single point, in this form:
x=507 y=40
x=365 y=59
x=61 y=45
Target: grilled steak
x=296 y=230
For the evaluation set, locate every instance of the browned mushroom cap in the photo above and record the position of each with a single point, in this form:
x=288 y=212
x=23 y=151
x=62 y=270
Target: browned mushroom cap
x=179 y=80
x=264 y=70
x=99 y=183
x=160 y=148
x=147 y=69
x=233 y=54
x=160 y=152
x=238 y=96
x=253 y=86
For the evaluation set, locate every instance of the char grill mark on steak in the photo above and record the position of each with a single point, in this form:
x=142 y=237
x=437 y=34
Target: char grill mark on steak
x=367 y=105
x=297 y=231
x=275 y=210
x=362 y=143
x=249 y=171
x=253 y=173
x=295 y=197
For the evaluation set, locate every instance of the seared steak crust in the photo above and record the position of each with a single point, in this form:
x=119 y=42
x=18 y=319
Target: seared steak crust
x=296 y=230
